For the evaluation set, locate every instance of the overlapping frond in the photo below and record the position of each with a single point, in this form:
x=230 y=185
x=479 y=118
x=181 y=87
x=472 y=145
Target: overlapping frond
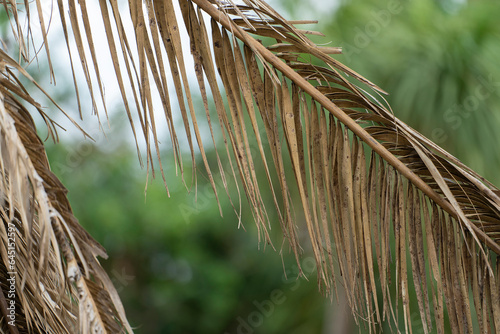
x=372 y=189
x=51 y=280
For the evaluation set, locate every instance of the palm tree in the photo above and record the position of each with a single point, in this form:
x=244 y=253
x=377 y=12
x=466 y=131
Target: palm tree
x=364 y=178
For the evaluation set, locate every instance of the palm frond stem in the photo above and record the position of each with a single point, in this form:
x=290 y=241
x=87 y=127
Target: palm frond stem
x=350 y=123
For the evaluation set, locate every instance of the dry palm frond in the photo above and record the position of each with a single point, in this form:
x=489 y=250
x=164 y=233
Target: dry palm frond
x=51 y=281
x=364 y=177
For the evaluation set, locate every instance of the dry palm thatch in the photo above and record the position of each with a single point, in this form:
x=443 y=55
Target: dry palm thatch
x=364 y=177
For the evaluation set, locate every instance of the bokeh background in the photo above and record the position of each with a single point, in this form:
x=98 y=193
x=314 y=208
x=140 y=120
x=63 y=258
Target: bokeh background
x=182 y=268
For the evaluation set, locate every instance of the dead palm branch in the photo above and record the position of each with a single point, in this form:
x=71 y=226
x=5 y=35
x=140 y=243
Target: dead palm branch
x=364 y=178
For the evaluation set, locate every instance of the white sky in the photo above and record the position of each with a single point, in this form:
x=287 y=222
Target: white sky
x=64 y=79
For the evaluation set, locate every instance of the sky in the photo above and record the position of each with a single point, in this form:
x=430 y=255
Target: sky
x=64 y=81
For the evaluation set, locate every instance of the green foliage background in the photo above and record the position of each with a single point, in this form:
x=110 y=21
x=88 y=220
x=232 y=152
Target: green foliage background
x=181 y=268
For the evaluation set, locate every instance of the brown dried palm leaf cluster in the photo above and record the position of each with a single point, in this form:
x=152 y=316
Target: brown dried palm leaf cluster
x=372 y=191
x=48 y=260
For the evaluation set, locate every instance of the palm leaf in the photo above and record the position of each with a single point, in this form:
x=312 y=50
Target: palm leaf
x=364 y=178
x=48 y=259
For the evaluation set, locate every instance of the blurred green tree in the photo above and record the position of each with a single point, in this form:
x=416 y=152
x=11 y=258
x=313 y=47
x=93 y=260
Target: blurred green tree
x=438 y=61
x=196 y=266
